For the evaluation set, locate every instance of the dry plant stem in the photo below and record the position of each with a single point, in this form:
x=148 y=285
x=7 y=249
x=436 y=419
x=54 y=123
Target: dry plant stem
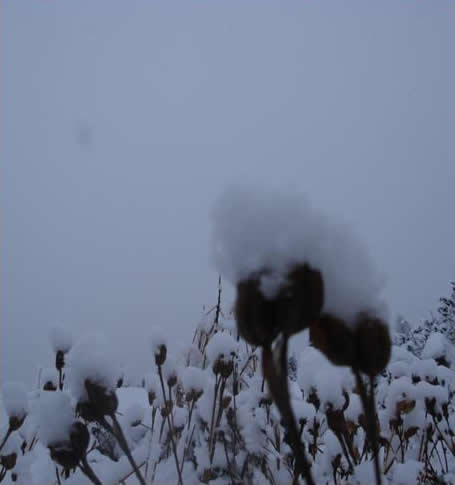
x=212 y=421
x=171 y=429
x=116 y=431
x=5 y=439
x=276 y=375
x=442 y=437
x=370 y=414
x=58 y=476
x=2 y=473
x=88 y=471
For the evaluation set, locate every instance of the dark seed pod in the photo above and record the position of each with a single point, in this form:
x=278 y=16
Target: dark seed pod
x=8 y=461
x=223 y=367
x=49 y=386
x=64 y=455
x=16 y=422
x=100 y=403
x=300 y=301
x=79 y=438
x=59 y=360
x=160 y=355
x=334 y=339
x=151 y=396
x=255 y=314
x=373 y=344
x=172 y=381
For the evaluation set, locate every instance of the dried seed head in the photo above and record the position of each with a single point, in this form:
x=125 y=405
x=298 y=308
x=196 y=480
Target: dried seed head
x=223 y=367
x=300 y=301
x=101 y=402
x=15 y=422
x=64 y=455
x=255 y=314
x=334 y=339
x=172 y=380
x=79 y=438
x=59 y=360
x=49 y=386
x=8 y=461
x=160 y=354
x=373 y=344
x=152 y=397
x=226 y=401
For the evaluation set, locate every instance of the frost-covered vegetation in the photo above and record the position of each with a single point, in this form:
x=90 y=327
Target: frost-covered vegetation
x=355 y=405
x=211 y=419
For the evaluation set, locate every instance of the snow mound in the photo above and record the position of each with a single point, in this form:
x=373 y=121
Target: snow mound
x=88 y=361
x=15 y=401
x=56 y=416
x=61 y=339
x=221 y=346
x=255 y=229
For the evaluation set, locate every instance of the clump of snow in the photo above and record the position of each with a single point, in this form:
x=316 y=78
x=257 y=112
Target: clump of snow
x=221 y=346
x=15 y=401
x=193 y=379
x=134 y=414
x=170 y=369
x=363 y=474
x=258 y=229
x=407 y=473
x=61 y=339
x=438 y=347
x=152 y=383
x=56 y=416
x=49 y=374
x=88 y=361
x=157 y=340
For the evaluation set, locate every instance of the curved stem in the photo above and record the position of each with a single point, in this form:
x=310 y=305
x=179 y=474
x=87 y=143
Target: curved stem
x=275 y=372
x=5 y=439
x=116 y=431
x=88 y=471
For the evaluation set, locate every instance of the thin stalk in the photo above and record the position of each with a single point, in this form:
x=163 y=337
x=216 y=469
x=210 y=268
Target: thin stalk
x=171 y=429
x=276 y=375
x=116 y=431
x=5 y=439
x=88 y=471
x=369 y=407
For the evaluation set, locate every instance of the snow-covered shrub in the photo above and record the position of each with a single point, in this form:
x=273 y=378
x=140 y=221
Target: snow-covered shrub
x=228 y=429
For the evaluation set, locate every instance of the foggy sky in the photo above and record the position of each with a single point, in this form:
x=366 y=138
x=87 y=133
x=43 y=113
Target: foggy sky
x=122 y=122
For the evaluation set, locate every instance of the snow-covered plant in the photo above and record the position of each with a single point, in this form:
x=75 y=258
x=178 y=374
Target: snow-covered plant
x=226 y=410
x=294 y=269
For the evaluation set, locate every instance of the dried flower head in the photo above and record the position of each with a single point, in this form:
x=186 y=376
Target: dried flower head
x=301 y=298
x=255 y=314
x=100 y=402
x=373 y=344
x=334 y=339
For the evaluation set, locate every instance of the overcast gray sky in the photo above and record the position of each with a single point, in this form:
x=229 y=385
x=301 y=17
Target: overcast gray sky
x=121 y=122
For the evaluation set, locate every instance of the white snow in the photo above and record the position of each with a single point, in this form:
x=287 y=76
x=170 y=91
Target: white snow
x=438 y=346
x=15 y=401
x=256 y=229
x=61 y=339
x=157 y=339
x=193 y=379
x=49 y=374
x=221 y=346
x=89 y=360
x=56 y=416
x=407 y=473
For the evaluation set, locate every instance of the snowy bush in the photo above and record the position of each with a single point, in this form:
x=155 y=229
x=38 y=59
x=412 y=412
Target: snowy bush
x=354 y=409
x=226 y=429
